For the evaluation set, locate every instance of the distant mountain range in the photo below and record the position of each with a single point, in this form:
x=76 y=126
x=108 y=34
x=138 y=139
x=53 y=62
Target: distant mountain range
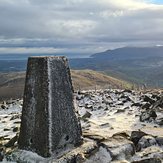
x=141 y=65
x=131 y=53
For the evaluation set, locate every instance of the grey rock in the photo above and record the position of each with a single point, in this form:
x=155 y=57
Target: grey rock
x=119 y=147
x=146 y=141
x=148 y=99
x=155 y=96
x=136 y=136
x=86 y=115
x=160 y=140
x=3 y=106
x=146 y=106
x=148 y=115
x=159 y=121
x=101 y=156
x=137 y=104
x=15 y=129
x=49 y=121
x=149 y=154
x=120 y=110
x=79 y=154
x=12 y=142
x=89 y=106
x=1 y=154
x=127 y=91
x=6 y=129
x=148 y=160
x=15 y=117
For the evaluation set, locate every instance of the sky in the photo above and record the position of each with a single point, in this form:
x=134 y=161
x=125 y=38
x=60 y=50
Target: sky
x=78 y=26
x=158 y=1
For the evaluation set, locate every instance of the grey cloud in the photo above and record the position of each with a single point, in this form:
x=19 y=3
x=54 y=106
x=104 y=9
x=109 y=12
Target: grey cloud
x=77 y=23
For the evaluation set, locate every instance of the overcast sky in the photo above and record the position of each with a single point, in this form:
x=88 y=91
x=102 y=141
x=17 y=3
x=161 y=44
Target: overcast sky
x=78 y=26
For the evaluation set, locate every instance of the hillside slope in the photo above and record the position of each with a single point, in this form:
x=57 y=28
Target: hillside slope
x=86 y=79
x=12 y=84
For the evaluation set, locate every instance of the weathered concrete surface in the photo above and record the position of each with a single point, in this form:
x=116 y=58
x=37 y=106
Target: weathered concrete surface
x=49 y=122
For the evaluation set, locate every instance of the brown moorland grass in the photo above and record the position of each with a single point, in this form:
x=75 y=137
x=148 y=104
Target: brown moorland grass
x=12 y=84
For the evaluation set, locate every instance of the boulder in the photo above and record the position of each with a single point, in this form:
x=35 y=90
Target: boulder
x=136 y=136
x=148 y=115
x=149 y=154
x=119 y=147
x=159 y=140
x=148 y=99
x=146 y=141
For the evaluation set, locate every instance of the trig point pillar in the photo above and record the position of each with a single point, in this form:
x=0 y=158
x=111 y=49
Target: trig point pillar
x=49 y=122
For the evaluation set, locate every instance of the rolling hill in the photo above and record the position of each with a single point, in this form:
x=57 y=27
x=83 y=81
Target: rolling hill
x=12 y=84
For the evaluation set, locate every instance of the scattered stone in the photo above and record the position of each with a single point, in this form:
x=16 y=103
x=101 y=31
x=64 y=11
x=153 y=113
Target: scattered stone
x=86 y=115
x=15 y=117
x=159 y=121
x=137 y=104
x=3 y=106
x=148 y=115
x=101 y=156
x=148 y=160
x=159 y=140
x=15 y=129
x=155 y=96
x=148 y=99
x=127 y=91
x=17 y=122
x=1 y=154
x=86 y=150
x=149 y=153
x=96 y=129
x=89 y=106
x=146 y=106
x=119 y=147
x=6 y=129
x=136 y=136
x=146 y=141
x=104 y=125
x=12 y=142
x=153 y=114
x=120 y=103
x=120 y=110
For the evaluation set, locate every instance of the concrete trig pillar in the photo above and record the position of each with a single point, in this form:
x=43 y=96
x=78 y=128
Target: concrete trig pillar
x=49 y=123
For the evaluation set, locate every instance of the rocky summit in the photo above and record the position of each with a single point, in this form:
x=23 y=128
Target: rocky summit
x=119 y=126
